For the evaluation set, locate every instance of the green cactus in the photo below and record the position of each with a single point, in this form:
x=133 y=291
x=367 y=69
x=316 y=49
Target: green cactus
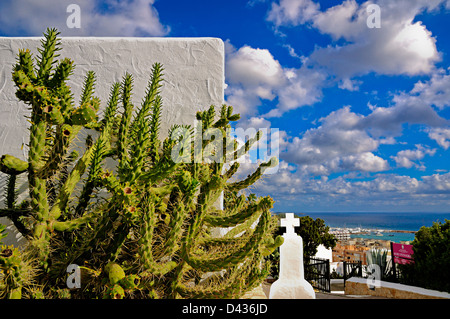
x=16 y=271
x=142 y=229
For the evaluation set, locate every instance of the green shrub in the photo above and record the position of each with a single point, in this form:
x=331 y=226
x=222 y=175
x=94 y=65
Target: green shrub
x=431 y=258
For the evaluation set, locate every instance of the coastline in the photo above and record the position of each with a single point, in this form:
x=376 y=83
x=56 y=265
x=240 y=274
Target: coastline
x=394 y=235
x=390 y=226
x=402 y=231
x=392 y=231
x=404 y=221
x=359 y=230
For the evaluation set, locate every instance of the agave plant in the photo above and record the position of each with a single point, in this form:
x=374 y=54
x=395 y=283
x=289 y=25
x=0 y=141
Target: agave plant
x=379 y=257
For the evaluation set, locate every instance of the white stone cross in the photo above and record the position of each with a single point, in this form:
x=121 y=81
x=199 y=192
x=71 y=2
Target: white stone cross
x=291 y=283
x=289 y=221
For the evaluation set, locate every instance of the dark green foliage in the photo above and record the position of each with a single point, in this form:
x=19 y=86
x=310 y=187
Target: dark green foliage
x=314 y=233
x=140 y=229
x=431 y=258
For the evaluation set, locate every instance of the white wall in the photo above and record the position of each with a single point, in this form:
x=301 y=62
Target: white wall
x=325 y=253
x=194 y=79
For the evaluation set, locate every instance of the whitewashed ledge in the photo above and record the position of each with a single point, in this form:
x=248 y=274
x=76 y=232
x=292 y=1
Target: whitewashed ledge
x=193 y=80
x=359 y=286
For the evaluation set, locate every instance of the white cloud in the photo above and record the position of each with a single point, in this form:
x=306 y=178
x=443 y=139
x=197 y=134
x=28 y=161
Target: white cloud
x=253 y=67
x=121 y=18
x=400 y=46
x=341 y=21
x=436 y=183
x=347 y=141
x=380 y=192
x=441 y=136
x=364 y=162
x=387 y=121
x=293 y=12
x=409 y=158
x=436 y=91
x=304 y=87
x=292 y=52
x=385 y=183
x=414 y=107
x=255 y=122
x=350 y=85
x=339 y=144
x=254 y=75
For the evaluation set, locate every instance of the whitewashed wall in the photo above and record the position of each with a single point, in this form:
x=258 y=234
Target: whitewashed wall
x=193 y=74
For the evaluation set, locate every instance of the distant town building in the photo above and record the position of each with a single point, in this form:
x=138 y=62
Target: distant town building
x=355 y=249
x=340 y=234
x=349 y=252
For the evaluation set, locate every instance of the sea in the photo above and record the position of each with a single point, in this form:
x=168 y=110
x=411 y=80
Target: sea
x=384 y=221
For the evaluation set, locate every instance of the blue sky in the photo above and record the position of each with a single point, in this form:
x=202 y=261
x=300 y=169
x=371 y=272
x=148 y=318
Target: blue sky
x=363 y=113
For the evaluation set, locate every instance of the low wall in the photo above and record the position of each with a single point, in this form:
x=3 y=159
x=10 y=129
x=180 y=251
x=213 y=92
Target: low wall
x=359 y=286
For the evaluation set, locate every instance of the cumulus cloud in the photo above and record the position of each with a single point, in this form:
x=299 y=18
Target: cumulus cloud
x=384 y=191
x=410 y=158
x=98 y=17
x=441 y=135
x=436 y=183
x=293 y=12
x=347 y=141
x=339 y=144
x=385 y=183
x=435 y=91
x=364 y=162
x=387 y=121
x=400 y=46
x=304 y=87
x=295 y=183
x=253 y=75
x=414 y=107
x=253 y=67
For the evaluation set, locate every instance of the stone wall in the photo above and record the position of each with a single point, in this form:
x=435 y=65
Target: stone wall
x=359 y=286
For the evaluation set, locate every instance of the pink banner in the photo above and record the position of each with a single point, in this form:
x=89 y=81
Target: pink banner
x=402 y=253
